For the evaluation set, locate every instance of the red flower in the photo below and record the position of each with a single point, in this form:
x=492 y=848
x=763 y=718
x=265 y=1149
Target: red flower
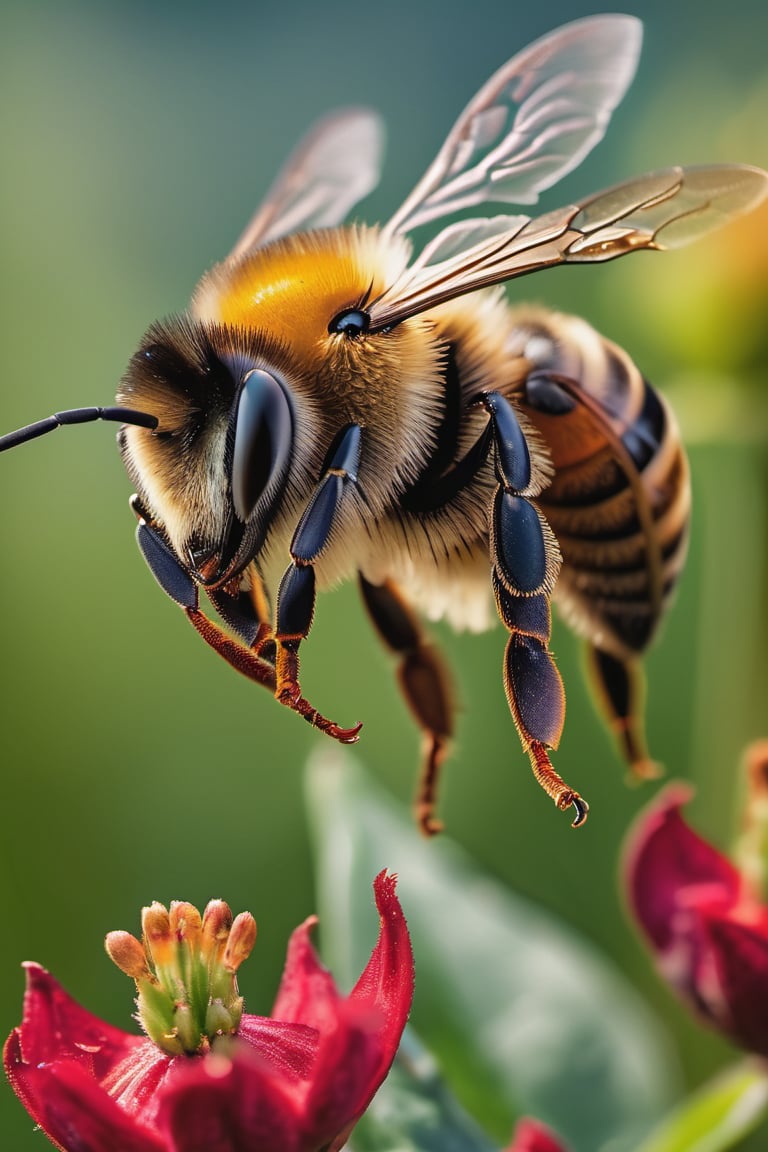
x=531 y=1136
x=702 y=915
x=294 y=1082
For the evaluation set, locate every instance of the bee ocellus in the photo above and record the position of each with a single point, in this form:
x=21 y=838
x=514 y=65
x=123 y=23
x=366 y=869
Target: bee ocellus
x=338 y=403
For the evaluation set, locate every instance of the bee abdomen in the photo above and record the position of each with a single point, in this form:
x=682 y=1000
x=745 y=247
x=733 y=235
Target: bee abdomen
x=623 y=553
x=619 y=500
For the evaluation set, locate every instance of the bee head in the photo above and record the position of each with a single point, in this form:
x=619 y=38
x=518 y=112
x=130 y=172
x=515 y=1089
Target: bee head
x=212 y=474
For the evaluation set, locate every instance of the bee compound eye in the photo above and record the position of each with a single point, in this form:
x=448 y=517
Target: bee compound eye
x=351 y=322
x=263 y=439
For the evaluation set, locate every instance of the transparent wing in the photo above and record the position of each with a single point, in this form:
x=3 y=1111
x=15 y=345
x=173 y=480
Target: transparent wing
x=660 y=210
x=533 y=122
x=334 y=166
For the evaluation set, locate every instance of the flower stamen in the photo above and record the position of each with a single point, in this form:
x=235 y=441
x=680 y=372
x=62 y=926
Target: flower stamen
x=185 y=972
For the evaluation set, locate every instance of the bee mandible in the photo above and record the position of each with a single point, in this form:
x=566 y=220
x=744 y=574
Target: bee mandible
x=332 y=406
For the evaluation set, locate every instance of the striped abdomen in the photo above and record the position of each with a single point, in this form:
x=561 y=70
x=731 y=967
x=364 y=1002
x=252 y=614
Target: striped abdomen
x=619 y=500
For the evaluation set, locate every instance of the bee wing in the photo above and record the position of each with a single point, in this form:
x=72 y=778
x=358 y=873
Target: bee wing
x=336 y=164
x=660 y=210
x=534 y=121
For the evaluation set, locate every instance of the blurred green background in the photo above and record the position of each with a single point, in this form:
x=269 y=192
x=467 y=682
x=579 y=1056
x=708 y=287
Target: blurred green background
x=136 y=139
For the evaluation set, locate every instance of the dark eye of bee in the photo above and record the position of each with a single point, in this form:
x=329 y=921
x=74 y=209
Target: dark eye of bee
x=352 y=322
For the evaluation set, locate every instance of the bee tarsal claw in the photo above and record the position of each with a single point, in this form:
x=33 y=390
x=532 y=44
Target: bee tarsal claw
x=329 y=727
x=580 y=807
x=344 y=735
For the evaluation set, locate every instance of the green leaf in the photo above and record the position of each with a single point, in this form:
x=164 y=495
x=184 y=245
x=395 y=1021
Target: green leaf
x=415 y=1112
x=718 y=1116
x=530 y=1019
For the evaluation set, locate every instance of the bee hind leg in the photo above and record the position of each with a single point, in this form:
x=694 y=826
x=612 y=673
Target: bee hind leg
x=525 y=561
x=425 y=684
x=296 y=595
x=620 y=689
x=534 y=690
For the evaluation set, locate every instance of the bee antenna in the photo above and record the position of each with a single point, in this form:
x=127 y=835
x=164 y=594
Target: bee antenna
x=76 y=416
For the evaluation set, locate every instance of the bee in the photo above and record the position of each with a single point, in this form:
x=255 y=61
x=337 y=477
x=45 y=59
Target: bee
x=340 y=403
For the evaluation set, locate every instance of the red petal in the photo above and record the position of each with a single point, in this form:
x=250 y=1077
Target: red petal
x=72 y=1109
x=664 y=858
x=353 y=1060
x=134 y=1084
x=741 y=960
x=351 y=1064
x=54 y=1026
x=60 y=1061
x=531 y=1136
x=307 y=993
x=223 y=1104
x=387 y=980
x=290 y=1048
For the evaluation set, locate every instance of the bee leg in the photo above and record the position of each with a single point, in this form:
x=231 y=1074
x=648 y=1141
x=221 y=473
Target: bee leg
x=246 y=612
x=620 y=689
x=525 y=567
x=425 y=683
x=177 y=583
x=296 y=595
x=534 y=689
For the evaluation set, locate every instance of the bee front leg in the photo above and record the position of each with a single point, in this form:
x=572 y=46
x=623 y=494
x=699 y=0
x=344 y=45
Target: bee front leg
x=425 y=684
x=246 y=612
x=296 y=595
x=177 y=583
x=525 y=566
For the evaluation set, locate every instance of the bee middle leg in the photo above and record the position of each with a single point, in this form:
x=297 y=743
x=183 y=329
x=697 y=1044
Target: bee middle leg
x=296 y=595
x=425 y=683
x=525 y=566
